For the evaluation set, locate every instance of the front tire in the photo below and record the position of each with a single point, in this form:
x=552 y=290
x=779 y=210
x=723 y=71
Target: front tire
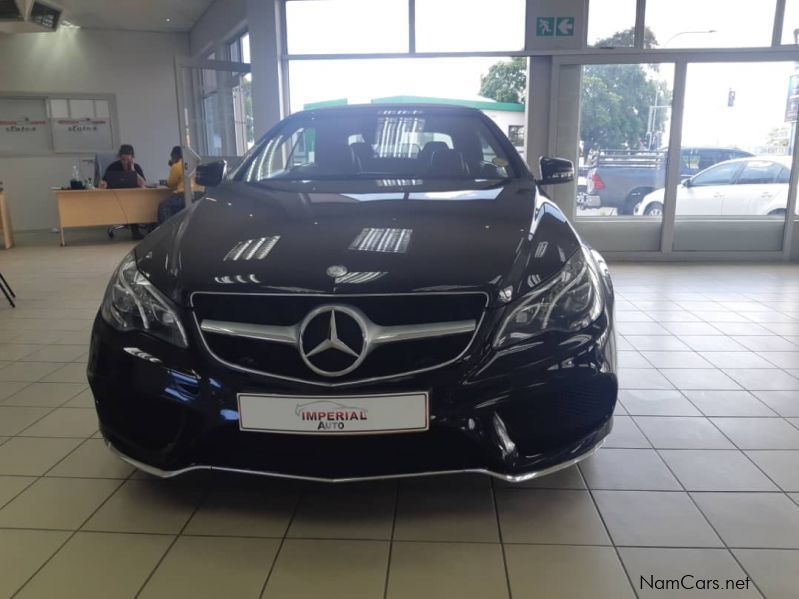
x=654 y=209
x=634 y=198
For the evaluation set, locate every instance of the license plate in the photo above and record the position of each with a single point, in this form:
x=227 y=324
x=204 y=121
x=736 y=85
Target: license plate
x=331 y=415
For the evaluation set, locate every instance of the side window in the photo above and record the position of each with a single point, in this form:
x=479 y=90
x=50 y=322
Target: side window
x=708 y=158
x=719 y=175
x=759 y=172
x=284 y=153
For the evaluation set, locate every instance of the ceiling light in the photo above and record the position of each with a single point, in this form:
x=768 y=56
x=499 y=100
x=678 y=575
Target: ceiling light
x=168 y=20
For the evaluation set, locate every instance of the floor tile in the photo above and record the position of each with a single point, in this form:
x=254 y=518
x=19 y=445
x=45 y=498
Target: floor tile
x=67 y=373
x=752 y=520
x=64 y=422
x=158 y=507
x=56 y=353
x=11 y=486
x=641 y=328
x=681 y=329
x=33 y=456
x=654 y=402
x=759 y=433
x=566 y=573
x=680 y=432
x=463 y=570
x=92 y=459
x=648 y=566
x=9 y=388
x=261 y=512
x=213 y=567
x=741 y=328
x=363 y=511
x=785 y=403
x=736 y=359
x=758 y=379
x=782 y=466
x=632 y=359
x=699 y=378
x=56 y=503
x=15 y=351
x=654 y=518
x=764 y=343
x=728 y=403
x=44 y=394
x=676 y=359
x=656 y=343
x=22 y=553
x=97 y=565
x=549 y=516
x=446 y=514
x=716 y=470
x=625 y=434
x=635 y=469
x=642 y=378
x=784 y=359
x=309 y=569
x=772 y=570
x=14 y=419
x=27 y=371
x=702 y=343
x=84 y=399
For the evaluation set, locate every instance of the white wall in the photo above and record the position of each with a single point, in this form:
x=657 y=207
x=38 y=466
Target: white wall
x=137 y=67
x=223 y=19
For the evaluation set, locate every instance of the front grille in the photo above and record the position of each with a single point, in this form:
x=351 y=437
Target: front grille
x=387 y=360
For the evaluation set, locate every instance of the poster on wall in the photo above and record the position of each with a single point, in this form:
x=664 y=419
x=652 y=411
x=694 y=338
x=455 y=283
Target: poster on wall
x=24 y=136
x=82 y=135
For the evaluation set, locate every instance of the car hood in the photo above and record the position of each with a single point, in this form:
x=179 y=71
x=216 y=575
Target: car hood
x=347 y=239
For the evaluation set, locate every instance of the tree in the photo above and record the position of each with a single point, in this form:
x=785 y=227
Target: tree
x=616 y=100
x=506 y=81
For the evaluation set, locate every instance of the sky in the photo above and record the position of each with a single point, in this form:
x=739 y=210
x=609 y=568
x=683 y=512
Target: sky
x=381 y=26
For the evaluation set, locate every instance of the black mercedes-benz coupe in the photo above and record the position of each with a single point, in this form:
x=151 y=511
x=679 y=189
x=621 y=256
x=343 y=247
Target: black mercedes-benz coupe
x=375 y=291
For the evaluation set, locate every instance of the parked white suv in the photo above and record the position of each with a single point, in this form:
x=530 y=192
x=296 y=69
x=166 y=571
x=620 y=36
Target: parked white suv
x=744 y=186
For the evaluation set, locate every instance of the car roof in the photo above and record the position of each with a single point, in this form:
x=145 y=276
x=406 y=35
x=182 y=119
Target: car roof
x=394 y=106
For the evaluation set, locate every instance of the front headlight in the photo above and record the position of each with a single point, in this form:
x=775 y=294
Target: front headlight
x=131 y=303
x=568 y=302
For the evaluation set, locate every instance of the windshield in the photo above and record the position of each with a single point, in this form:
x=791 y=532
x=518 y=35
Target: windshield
x=393 y=143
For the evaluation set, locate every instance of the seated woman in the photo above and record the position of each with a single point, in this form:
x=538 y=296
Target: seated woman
x=176 y=202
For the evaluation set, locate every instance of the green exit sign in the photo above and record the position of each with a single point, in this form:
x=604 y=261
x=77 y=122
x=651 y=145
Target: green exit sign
x=554 y=26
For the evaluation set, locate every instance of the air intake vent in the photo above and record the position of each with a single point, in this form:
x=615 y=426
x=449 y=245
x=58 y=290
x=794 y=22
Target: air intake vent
x=44 y=15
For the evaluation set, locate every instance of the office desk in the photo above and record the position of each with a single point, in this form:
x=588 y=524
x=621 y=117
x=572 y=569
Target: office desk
x=5 y=222
x=96 y=207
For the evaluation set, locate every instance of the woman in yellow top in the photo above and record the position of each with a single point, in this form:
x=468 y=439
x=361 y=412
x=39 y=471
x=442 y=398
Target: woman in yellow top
x=176 y=202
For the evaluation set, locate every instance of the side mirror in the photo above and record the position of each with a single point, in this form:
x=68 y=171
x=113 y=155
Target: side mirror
x=555 y=170
x=687 y=182
x=211 y=173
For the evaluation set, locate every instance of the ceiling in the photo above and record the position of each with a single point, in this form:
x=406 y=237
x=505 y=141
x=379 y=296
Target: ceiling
x=134 y=15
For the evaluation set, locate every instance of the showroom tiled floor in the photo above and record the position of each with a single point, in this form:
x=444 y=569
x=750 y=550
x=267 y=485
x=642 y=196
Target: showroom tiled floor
x=700 y=476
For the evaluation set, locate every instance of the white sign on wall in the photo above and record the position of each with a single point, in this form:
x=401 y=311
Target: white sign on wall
x=24 y=136
x=82 y=135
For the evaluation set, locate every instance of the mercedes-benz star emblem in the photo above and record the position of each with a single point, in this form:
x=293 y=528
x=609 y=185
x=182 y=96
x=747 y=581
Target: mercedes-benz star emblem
x=332 y=340
x=336 y=271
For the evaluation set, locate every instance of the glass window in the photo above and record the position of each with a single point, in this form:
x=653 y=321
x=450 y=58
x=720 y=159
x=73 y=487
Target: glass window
x=81 y=109
x=516 y=135
x=101 y=110
x=735 y=121
x=346 y=26
x=790 y=23
x=711 y=23
x=469 y=25
x=383 y=143
x=722 y=174
x=59 y=109
x=239 y=49
x=611 y=23
x=759 y=172
x=625 y=116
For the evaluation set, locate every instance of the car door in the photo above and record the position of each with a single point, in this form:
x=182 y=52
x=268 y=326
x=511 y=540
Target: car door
x=704 y=193
x=755 y=188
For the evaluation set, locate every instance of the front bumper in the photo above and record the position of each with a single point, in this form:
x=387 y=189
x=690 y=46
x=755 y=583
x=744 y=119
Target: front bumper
x=514 y=416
